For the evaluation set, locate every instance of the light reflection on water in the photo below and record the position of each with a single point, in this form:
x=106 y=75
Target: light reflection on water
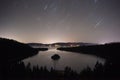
x=76 y=61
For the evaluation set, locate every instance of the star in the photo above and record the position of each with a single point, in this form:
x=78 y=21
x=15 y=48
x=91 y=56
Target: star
x=46 y=6
x=98 y=23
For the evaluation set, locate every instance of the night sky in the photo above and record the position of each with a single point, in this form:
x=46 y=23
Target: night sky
x=48 y=21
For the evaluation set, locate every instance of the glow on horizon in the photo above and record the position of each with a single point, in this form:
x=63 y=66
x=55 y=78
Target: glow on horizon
x=50 y=41
x=51 y=21
x=53 y=39
x=45 y=41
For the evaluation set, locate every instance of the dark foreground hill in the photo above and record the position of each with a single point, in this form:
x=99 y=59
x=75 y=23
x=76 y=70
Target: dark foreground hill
x=107 y=51
x=11 y=50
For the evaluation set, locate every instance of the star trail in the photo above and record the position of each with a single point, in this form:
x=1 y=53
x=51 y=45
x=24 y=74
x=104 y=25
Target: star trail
x=49 y=21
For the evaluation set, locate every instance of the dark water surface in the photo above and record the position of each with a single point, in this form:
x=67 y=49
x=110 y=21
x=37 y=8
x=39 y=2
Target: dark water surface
x=76 y=61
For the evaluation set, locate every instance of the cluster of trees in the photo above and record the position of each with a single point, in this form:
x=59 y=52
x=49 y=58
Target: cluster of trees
x=18 y=70
x=101 y=72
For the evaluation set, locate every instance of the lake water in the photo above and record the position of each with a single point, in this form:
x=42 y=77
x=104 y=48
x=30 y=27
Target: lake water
x=76 y=61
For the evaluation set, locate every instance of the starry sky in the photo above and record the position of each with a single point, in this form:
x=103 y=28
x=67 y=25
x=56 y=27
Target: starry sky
x=49 y=21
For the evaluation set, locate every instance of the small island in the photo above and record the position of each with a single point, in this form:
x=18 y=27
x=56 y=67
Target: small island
x=55 y=57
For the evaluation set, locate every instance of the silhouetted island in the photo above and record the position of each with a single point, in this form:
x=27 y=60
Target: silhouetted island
x=55 y=57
